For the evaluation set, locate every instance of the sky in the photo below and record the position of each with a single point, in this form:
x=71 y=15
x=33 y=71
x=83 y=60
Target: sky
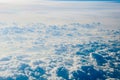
x=87 y=0
x=52 y=0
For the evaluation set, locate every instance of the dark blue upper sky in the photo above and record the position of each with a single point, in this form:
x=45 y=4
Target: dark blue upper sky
x=90 y=0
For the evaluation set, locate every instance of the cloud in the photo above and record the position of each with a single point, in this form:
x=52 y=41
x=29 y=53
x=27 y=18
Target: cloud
x=47 y=51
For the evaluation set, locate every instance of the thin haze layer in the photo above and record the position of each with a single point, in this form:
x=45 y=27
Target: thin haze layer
x=53 y=12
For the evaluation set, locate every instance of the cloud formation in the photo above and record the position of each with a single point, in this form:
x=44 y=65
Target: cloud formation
x=71 y=51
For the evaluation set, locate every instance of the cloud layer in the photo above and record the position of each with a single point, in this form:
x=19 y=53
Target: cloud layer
x=71 y=51
x=57 y=40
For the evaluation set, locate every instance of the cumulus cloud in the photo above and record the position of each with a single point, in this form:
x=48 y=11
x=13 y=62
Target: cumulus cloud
x=70 y=51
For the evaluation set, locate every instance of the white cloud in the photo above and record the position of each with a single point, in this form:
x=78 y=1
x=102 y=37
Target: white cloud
x=35 y=50
x=43 y=51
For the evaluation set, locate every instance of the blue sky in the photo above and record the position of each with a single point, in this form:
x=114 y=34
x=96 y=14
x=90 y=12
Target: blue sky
x=90 y=0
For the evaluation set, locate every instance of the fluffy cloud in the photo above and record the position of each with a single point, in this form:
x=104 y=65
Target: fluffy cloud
x=72 y=51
